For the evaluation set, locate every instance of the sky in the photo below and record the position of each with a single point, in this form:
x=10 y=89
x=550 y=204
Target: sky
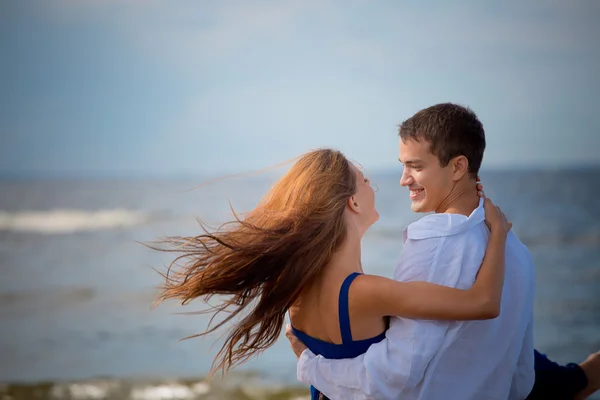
x=163 y=88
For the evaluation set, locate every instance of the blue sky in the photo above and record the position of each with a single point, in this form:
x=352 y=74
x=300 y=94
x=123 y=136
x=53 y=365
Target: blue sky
x=94 y=87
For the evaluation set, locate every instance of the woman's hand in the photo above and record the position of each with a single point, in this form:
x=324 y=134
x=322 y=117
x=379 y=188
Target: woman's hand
x=495 y=218
x=480 y=191
x=297 y=346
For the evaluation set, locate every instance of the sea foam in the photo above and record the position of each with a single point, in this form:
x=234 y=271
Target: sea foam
x=70 y=220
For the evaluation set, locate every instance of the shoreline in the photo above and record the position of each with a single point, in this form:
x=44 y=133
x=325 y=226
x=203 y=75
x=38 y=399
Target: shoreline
x=235 y=386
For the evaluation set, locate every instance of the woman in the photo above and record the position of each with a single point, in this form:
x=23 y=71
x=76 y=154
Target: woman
x=297 y=249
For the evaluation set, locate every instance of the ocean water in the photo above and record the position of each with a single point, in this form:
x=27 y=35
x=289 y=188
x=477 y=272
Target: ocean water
x=76 y=288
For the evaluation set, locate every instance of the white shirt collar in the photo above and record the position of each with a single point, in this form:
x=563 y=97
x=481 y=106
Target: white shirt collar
x=443 y=224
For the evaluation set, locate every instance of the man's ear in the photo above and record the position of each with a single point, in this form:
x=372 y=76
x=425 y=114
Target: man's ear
x=353 y=204
x=460 y=166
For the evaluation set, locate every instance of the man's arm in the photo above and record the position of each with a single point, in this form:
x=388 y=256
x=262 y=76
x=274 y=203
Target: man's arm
x=307 y=358
x=397 y=364
x=388 y=370
x=315 y=370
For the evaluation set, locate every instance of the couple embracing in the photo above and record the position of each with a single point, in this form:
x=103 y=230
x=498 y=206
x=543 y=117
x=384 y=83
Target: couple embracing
x=456 y=322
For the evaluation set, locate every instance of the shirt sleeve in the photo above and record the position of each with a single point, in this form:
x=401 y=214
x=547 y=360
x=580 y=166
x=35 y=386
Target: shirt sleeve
x=397 y=364
x=524 y=376
x=330 y=376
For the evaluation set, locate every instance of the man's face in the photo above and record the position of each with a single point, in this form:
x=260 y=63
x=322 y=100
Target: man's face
x=429 y=183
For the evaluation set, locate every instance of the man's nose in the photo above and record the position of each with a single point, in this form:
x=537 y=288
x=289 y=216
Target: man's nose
x=406 y=179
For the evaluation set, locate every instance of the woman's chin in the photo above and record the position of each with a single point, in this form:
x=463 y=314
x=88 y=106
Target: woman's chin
x=375 y=219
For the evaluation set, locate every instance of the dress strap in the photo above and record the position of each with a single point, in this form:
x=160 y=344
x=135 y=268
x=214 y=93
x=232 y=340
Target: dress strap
x=343 y=313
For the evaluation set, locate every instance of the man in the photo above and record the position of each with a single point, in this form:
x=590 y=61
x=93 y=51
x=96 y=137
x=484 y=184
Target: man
x=442 y=148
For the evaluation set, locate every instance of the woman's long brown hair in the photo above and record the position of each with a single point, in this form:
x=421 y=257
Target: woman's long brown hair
x=262 y=263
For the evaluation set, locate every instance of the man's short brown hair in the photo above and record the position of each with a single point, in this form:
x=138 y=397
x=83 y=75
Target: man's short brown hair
x=451 y=130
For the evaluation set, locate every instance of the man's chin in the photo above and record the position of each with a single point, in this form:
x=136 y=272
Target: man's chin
x=419 y=207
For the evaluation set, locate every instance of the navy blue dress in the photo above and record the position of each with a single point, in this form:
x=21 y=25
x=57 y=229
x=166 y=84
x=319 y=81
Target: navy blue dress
x=349 y=348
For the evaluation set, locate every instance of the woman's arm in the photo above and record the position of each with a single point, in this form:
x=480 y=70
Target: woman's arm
x=423 y=300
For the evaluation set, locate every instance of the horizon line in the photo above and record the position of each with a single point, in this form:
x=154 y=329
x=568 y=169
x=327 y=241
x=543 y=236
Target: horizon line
x=24 y=176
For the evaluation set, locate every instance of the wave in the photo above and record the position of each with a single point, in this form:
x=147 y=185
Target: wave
x=60 y=296
x=69 y=220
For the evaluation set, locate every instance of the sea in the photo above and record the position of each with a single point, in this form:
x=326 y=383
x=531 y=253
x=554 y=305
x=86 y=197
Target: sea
x=77 y=284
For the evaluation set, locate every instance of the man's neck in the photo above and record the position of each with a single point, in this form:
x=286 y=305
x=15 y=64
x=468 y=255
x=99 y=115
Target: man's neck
x=463 y=199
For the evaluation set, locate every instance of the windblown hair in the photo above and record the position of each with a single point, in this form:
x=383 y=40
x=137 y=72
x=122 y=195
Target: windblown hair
x=452 y=130
x=262 y=263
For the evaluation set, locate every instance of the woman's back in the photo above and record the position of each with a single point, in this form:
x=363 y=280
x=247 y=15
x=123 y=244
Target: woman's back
x=323 y=323
x=317 y=311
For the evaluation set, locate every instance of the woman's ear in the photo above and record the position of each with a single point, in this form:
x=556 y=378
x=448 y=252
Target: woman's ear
x=353 y=204
x=460 y=167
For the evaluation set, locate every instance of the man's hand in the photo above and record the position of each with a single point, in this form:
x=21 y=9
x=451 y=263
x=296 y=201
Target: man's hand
x=297 y=346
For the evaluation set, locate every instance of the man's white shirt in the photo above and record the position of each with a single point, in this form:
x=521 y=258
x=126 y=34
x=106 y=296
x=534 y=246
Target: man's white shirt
x=430 y=360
